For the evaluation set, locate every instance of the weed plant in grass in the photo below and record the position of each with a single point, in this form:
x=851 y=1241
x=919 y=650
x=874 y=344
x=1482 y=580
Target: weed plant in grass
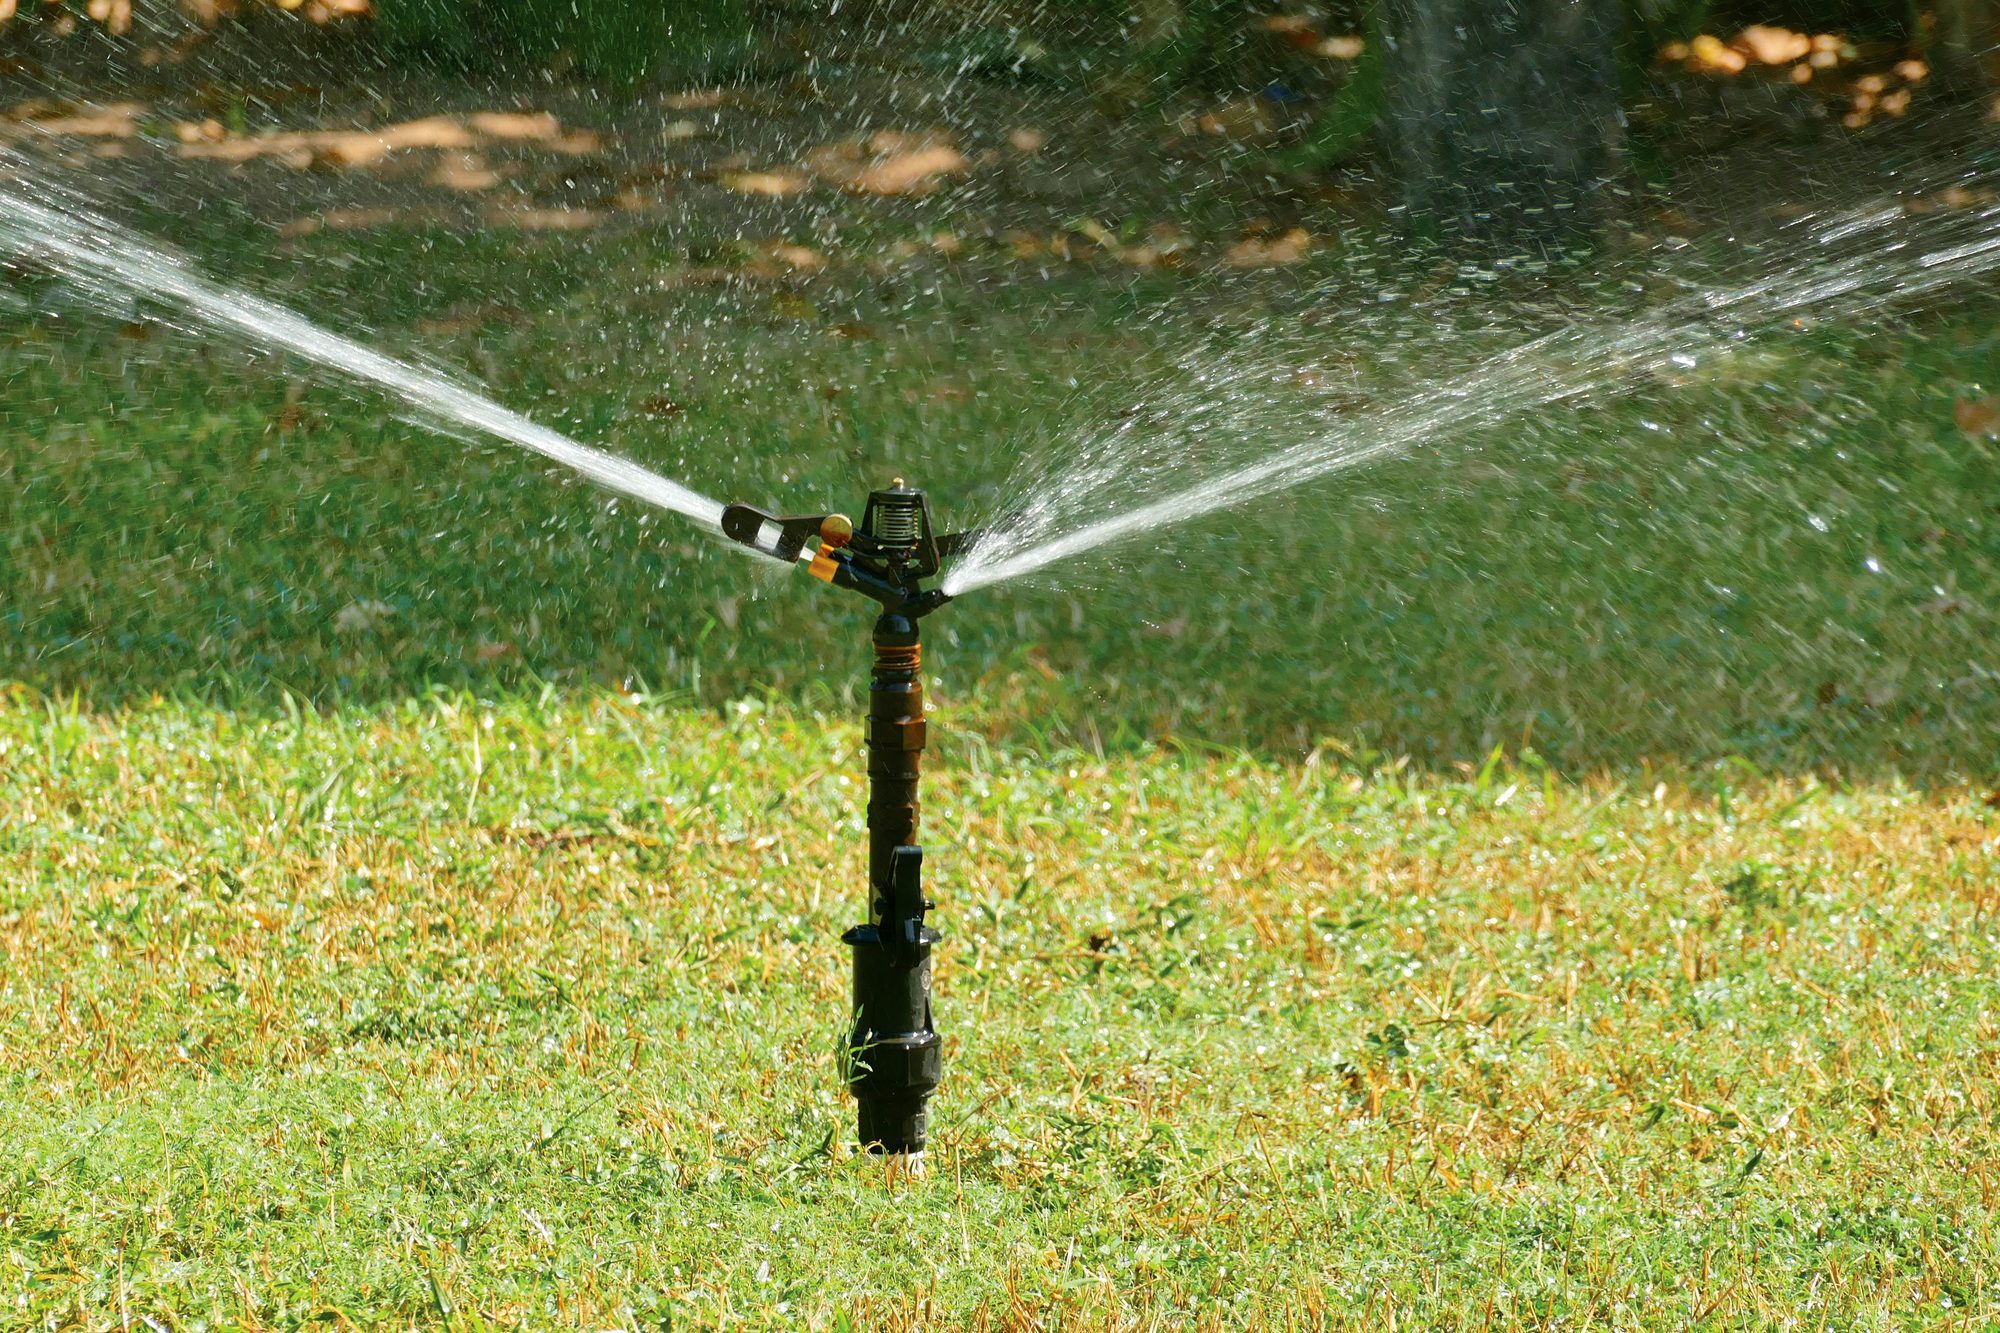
x=524 y=1013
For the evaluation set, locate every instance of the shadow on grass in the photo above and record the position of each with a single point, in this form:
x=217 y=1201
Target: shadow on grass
x=1792 y=561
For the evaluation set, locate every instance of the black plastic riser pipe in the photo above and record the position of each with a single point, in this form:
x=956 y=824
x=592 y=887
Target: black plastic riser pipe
x=895 y=1053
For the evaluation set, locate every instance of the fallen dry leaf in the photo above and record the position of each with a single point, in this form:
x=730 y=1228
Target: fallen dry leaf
x=464 y=171
x=1027 y=140
x=1163 y=245
x=700 y=100
x=801 y=257
x=209 y=131
x=1769 y=45
x=1025 y=245
x=1243 y=118
x=1269 y=252
x=915 y=172
x=340 y=219
x=1708 y=54
x=366 y=148
x=1342 y=48
x=768 y=183
x=1296 y=29
x=115 y=15
x=346 y=148
x=359 y=148
x=884 y=142
x=1978 y=417
x=118 y=120
x=516 y=125
x=487 y=650
x=545 y=219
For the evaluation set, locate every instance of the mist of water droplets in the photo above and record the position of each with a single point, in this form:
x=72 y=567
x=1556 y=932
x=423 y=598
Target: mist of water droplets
x=1833 y=269
x=110 y=263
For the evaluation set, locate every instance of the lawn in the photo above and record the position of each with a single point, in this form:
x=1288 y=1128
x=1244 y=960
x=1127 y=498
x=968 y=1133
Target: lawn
x=1546 y=879
x=1788 y=557
x=522 y=1013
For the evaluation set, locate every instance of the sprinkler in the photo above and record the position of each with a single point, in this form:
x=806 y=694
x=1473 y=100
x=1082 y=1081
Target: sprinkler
x=895 y=1058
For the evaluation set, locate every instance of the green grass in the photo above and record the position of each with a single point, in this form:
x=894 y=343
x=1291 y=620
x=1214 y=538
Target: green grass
x=1791 y=559
x=1545 y=881
x=524 y=1014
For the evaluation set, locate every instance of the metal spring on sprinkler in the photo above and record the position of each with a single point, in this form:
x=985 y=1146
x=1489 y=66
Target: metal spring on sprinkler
x=899 y=525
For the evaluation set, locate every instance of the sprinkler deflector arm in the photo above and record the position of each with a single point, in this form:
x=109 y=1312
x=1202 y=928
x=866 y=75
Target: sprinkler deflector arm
x=895 y=1056
x=859 y=561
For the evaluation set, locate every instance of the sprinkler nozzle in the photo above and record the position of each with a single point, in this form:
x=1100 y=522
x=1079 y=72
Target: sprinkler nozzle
x=885 y=558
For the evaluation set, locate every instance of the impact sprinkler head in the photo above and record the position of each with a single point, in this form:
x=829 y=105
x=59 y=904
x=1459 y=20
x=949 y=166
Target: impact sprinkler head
x=887 y=557
x=895 y=1057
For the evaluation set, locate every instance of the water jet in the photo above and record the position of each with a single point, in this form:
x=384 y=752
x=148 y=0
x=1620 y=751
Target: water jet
x=894 y=1056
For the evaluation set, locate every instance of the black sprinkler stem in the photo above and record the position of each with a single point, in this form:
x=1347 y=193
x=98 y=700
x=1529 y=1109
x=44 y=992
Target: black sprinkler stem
x=895 y=1054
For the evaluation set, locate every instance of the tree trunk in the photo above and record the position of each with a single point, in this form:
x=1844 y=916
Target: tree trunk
x=1964 y=47
x=1501 y=120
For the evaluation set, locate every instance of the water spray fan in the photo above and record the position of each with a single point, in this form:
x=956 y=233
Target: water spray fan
x=894 y=1055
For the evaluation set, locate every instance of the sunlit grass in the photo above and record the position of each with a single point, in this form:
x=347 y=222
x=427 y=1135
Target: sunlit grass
x=525 y=1012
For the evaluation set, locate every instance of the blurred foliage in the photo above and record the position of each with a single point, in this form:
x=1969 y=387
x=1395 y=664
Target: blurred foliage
x=615 y=41
x=1345 y=124
x=1156 y=46
x=620 y=41
x=121 y=18
x=1651 y=24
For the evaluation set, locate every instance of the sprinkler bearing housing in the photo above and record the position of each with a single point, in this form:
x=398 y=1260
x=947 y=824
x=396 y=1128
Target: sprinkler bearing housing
x=894 y=1055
